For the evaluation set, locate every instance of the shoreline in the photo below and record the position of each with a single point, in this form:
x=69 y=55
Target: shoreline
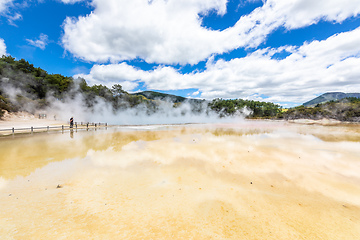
x=26 y=123
x=322 y=122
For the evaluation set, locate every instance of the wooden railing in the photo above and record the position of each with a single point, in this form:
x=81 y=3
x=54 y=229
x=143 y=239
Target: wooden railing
x=77 y=125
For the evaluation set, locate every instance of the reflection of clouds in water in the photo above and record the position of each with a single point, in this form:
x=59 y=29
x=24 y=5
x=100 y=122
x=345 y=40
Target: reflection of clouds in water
x=163 y=151
x=131 y=154
x=288 y=135
x=313 y=164
x=302 y=158
x=3 y=183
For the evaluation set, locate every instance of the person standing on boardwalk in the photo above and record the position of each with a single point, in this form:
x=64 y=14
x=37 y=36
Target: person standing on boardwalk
x=71 y=122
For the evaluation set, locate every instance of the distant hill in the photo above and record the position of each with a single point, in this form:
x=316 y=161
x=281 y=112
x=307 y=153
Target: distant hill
x=331 y=96
x=166 y=97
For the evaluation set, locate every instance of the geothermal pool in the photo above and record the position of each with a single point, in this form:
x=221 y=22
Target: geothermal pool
x=250 y=180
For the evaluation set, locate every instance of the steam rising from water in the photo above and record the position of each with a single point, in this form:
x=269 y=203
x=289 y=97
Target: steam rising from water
x=74 y=105
x=139 y=115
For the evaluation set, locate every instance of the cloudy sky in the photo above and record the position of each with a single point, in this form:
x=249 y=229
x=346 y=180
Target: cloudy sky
x=282 y=51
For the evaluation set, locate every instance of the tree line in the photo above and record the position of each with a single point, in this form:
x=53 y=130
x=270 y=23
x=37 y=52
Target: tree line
x=253 y=109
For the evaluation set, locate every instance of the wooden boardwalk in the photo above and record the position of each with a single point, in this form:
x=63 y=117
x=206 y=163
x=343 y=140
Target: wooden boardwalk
x=76 y=126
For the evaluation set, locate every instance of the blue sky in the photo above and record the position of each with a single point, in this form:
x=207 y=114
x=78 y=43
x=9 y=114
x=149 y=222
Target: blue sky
x=283 y=51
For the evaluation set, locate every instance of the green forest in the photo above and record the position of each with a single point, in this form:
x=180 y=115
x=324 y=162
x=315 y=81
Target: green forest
x=22 y=84
x=255 y=109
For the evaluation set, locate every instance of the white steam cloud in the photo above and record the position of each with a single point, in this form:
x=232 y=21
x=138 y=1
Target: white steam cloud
x=76 y=104
x=165 y=113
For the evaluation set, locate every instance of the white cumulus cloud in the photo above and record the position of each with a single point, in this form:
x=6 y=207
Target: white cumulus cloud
x=4 y=5
x=171 y=31
x=157 y=31
x=71 y=1
x=41 y=42
x=2 y=47
x=313 y=68
x=8 y=10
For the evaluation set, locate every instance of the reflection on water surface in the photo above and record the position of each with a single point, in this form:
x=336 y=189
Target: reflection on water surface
x=252 y=180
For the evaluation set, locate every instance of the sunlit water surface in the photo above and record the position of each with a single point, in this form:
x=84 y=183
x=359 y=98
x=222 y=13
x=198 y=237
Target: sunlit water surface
x=251 y=180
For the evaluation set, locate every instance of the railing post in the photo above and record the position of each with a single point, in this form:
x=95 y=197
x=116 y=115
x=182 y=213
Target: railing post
x=32 y=129
x=76 y=126
x=62 y=127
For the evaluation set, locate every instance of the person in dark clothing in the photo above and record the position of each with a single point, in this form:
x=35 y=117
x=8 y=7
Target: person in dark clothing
x=71 y=122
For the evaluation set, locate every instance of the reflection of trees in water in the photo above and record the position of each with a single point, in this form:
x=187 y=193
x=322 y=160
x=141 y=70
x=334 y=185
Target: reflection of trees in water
x=337 y=137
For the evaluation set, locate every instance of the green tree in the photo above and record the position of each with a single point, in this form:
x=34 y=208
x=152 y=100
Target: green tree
x=24 y=66
x=58 y=83
x=117 y=90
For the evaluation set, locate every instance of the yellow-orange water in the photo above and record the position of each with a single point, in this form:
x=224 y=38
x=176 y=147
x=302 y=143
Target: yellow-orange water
x=252 y=180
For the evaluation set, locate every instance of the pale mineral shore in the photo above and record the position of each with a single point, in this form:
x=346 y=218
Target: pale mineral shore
x=21 y=120
x=323 y=121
